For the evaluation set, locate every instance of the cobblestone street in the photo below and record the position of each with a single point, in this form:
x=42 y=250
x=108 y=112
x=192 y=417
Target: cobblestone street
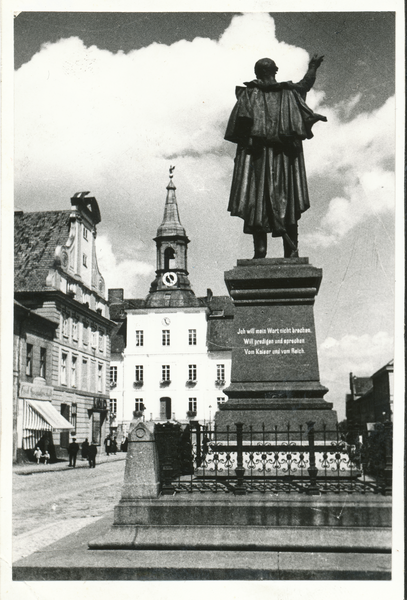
x=47 y=505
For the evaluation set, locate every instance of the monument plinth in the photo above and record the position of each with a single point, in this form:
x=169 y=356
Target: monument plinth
x=275 y=373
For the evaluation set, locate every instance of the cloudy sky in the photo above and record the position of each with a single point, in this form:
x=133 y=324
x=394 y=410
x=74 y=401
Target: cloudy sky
x=106 y=102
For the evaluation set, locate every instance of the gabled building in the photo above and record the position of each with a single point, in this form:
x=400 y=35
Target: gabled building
x=171 y=351
x=61 y=293
x=371 y=398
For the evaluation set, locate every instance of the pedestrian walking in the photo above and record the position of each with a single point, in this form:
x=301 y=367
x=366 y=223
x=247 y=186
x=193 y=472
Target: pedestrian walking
x=85 y=448
x=72 y=452
x=37 y=455
x=114 y=446
x=46 y=456
x=108 y=445
x=92 y=451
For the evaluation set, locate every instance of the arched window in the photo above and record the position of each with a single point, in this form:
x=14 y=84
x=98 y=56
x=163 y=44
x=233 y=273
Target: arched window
x=169 y=259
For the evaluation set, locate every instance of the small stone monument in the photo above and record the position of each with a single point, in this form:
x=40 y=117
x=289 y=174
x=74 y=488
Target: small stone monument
x=141 y=477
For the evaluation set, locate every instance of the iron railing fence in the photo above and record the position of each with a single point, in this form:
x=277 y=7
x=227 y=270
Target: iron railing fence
x=241 y=460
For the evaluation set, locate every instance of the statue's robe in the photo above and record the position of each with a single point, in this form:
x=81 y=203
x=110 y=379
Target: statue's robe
x=268 y=123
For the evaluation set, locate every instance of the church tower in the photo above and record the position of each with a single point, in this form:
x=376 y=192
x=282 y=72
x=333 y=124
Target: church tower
x=171 y=287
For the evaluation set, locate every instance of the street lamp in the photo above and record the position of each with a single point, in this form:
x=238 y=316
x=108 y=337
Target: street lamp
x=210 y=419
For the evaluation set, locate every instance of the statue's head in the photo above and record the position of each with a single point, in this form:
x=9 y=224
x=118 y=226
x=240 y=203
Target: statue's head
x=265 y=66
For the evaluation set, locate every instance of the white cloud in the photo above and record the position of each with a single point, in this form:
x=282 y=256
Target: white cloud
x=357 y=154
x=360 y=355
x=112 y=123
x=118 y=274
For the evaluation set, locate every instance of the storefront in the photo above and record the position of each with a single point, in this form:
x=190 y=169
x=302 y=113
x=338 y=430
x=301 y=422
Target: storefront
x=38 y=419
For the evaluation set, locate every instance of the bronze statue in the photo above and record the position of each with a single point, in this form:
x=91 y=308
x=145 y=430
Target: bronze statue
x=269 y=186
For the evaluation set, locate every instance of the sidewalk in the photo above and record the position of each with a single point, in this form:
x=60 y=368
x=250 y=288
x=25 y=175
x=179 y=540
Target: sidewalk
x=63 y=465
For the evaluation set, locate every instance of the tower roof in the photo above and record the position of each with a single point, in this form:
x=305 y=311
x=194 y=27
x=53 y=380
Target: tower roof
x=171 y=225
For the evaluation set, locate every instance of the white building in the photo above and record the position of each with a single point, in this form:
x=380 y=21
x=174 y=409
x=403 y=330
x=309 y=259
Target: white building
x=171 y=352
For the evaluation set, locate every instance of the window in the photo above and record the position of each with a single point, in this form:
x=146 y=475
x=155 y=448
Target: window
x=101 y=340
x=113 y=375
x=85 y=374
x=84 y=260
x=192 y=337
x=113 y=406
x=192 y=404
x=43 y=362
x=138 y=404
x=96 y=428
x=29 y=361
x=85 y=335
x=64 y=360
x=74 y=413
x=100 y=377
x=191 y=372
x=73 y=370
x=220 y=372
x=65 y=326
x=221 y=400
x=94 y=338
x=64 y=436
x=75 y=329
x=139 y=373
x=165 y=370
x=139 y=337
x=166 y=337
x=85 y=233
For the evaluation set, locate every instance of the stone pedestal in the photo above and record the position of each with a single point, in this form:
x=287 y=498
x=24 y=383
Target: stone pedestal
x=275 y=373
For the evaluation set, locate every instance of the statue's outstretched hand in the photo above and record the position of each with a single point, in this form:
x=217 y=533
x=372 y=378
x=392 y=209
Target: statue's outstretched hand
x=316 y=61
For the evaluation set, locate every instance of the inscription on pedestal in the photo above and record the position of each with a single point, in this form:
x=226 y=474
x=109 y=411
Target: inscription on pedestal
x=278 y=347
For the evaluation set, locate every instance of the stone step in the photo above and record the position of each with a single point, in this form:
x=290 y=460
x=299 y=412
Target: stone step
x=304 y=539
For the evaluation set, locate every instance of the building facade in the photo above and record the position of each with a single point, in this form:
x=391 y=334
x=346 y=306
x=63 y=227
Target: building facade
x=171 y=351
x=57 y=280
x=371 y=398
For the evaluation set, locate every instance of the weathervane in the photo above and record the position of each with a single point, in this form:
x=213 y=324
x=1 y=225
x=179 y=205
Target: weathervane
x=171 y=170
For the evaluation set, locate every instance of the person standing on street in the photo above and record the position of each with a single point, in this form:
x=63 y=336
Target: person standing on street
x=108 y=445
x=85 y=448
x=72 y=452
x=92 y=451
x=37 y=454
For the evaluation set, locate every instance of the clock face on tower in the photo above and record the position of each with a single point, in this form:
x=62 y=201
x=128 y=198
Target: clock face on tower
x=169 y=279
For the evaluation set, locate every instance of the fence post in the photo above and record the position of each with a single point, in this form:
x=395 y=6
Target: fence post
x=239 y=490
x=388 y=469
x=313 y=488
x=168 y=454
x=197 y=427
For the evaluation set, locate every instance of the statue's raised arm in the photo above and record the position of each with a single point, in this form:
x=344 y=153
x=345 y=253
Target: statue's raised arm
x=269 y=186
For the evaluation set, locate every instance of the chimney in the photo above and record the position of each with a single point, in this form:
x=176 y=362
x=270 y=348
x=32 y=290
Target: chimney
x=116 y=296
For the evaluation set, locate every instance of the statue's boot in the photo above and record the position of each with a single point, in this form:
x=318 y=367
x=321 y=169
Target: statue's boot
x=290 y=242
x=260 y=244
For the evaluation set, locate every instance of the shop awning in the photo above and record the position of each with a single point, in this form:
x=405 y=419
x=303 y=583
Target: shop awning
x=42 y=415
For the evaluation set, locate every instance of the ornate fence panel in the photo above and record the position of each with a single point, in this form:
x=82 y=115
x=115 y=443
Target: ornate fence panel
x=242 y=461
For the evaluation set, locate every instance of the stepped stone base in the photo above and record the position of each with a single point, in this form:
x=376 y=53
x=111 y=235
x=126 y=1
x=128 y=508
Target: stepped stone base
x=279 y=419
x=71 y=559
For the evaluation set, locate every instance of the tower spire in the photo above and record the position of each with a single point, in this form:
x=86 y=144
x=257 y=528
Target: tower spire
x=171 y=224
x=171 y=286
